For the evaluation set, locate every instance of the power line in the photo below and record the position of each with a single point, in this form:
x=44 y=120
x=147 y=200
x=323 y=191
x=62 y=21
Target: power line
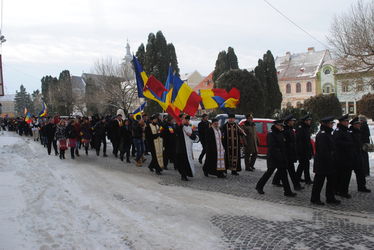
x=294 y=23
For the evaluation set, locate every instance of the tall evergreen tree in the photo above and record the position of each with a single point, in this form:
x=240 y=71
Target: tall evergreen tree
x=222 y=65
x=64 y=94
x=266 y=73
x=251 y=92
x=140 y=54
x=49 y=86
x=158 y=55
x=22 y=101
x=225 y=62
x=232 y=59
x=173 y=58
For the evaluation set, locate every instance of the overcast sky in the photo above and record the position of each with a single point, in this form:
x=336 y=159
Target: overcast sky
x=45 y=37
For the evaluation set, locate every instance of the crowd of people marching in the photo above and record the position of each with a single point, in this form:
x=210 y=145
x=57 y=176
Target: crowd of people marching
x=337 y=153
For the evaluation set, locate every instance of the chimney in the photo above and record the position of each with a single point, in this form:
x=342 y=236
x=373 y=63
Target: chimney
x=310 y=49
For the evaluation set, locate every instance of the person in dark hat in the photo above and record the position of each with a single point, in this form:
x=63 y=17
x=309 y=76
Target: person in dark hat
x=203 y=127
x=168 y=136
x=344 y=156
x=184 y=154
x=250 y=140
x=324 y=166
x=358 y=166
x=231 y=143
x=276 y=159
x=215 y=156
x=304 y=149
x=154 y=140
x=290 y=143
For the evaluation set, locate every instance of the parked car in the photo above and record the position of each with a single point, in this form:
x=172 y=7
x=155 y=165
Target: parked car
x=263 y=126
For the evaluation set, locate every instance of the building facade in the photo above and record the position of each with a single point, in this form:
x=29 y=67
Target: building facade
x=348 y=86
x=7 y=105
x=298 y=75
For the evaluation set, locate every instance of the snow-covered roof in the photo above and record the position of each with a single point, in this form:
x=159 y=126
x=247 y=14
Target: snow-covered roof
x=301 y=65
x=7 y=98
x=77 y=82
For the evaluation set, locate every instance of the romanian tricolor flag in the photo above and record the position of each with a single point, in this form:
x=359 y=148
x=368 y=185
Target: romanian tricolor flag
x=44 y=110
x=183 y=97
x=140 y=76
x=28 y=117
x=139 y=110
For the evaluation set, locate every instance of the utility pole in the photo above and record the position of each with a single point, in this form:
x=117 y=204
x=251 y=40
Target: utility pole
x=2 y=40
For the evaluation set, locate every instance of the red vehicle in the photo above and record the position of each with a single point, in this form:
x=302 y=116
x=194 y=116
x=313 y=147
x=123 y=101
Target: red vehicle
x=263 y=126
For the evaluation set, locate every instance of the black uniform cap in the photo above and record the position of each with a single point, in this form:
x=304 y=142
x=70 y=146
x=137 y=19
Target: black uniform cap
x=327 y=119
x=306 y=117
x=344 y=118
x=231 y=115
x=278 y=122
x=289 y=118
x=214 y=120
x=354 y=121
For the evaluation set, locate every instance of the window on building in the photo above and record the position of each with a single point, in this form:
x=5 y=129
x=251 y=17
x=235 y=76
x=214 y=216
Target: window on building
x=359 y=85
x=308 y=87
x=328 y=88
x=288 y=88
x=345 y=87
x=298 y=87
x=344 y=107
x=327 y=71
x=351 y=107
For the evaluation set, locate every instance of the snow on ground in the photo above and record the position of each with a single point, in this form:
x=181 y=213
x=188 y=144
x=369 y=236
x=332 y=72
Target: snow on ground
x=92 y=203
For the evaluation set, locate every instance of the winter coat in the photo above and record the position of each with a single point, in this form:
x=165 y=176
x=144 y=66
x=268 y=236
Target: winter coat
x=60 y=132
x=203 y=127
x=344 y=145
x=137 y=131
x=71 y=132
x=365 y=133
x=324 y=159
x=49 y=131
x=303 y=145
x=250 y=139
x=125 y=138
x=86 y=131
x=100 y=130
x=290 y=141
x=357 y=147
x=276 y=157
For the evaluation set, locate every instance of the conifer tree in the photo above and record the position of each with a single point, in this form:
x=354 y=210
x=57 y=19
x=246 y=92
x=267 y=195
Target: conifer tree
x=232 y=59
x=158 y=55
x=22 y=101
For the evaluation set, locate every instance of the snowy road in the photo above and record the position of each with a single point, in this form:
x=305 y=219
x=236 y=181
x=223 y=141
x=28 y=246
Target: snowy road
x=95 y=203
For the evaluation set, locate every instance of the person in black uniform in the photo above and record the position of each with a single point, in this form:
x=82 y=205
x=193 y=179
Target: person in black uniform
x=100 y=130
x=276 y=159
x=50 y=130
x=344 y=156
x=324 y=167
x=358 y=166
x=365 y=138
x=290 y=143
x=203 y=127
x=304 y=149
x=114 y=133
